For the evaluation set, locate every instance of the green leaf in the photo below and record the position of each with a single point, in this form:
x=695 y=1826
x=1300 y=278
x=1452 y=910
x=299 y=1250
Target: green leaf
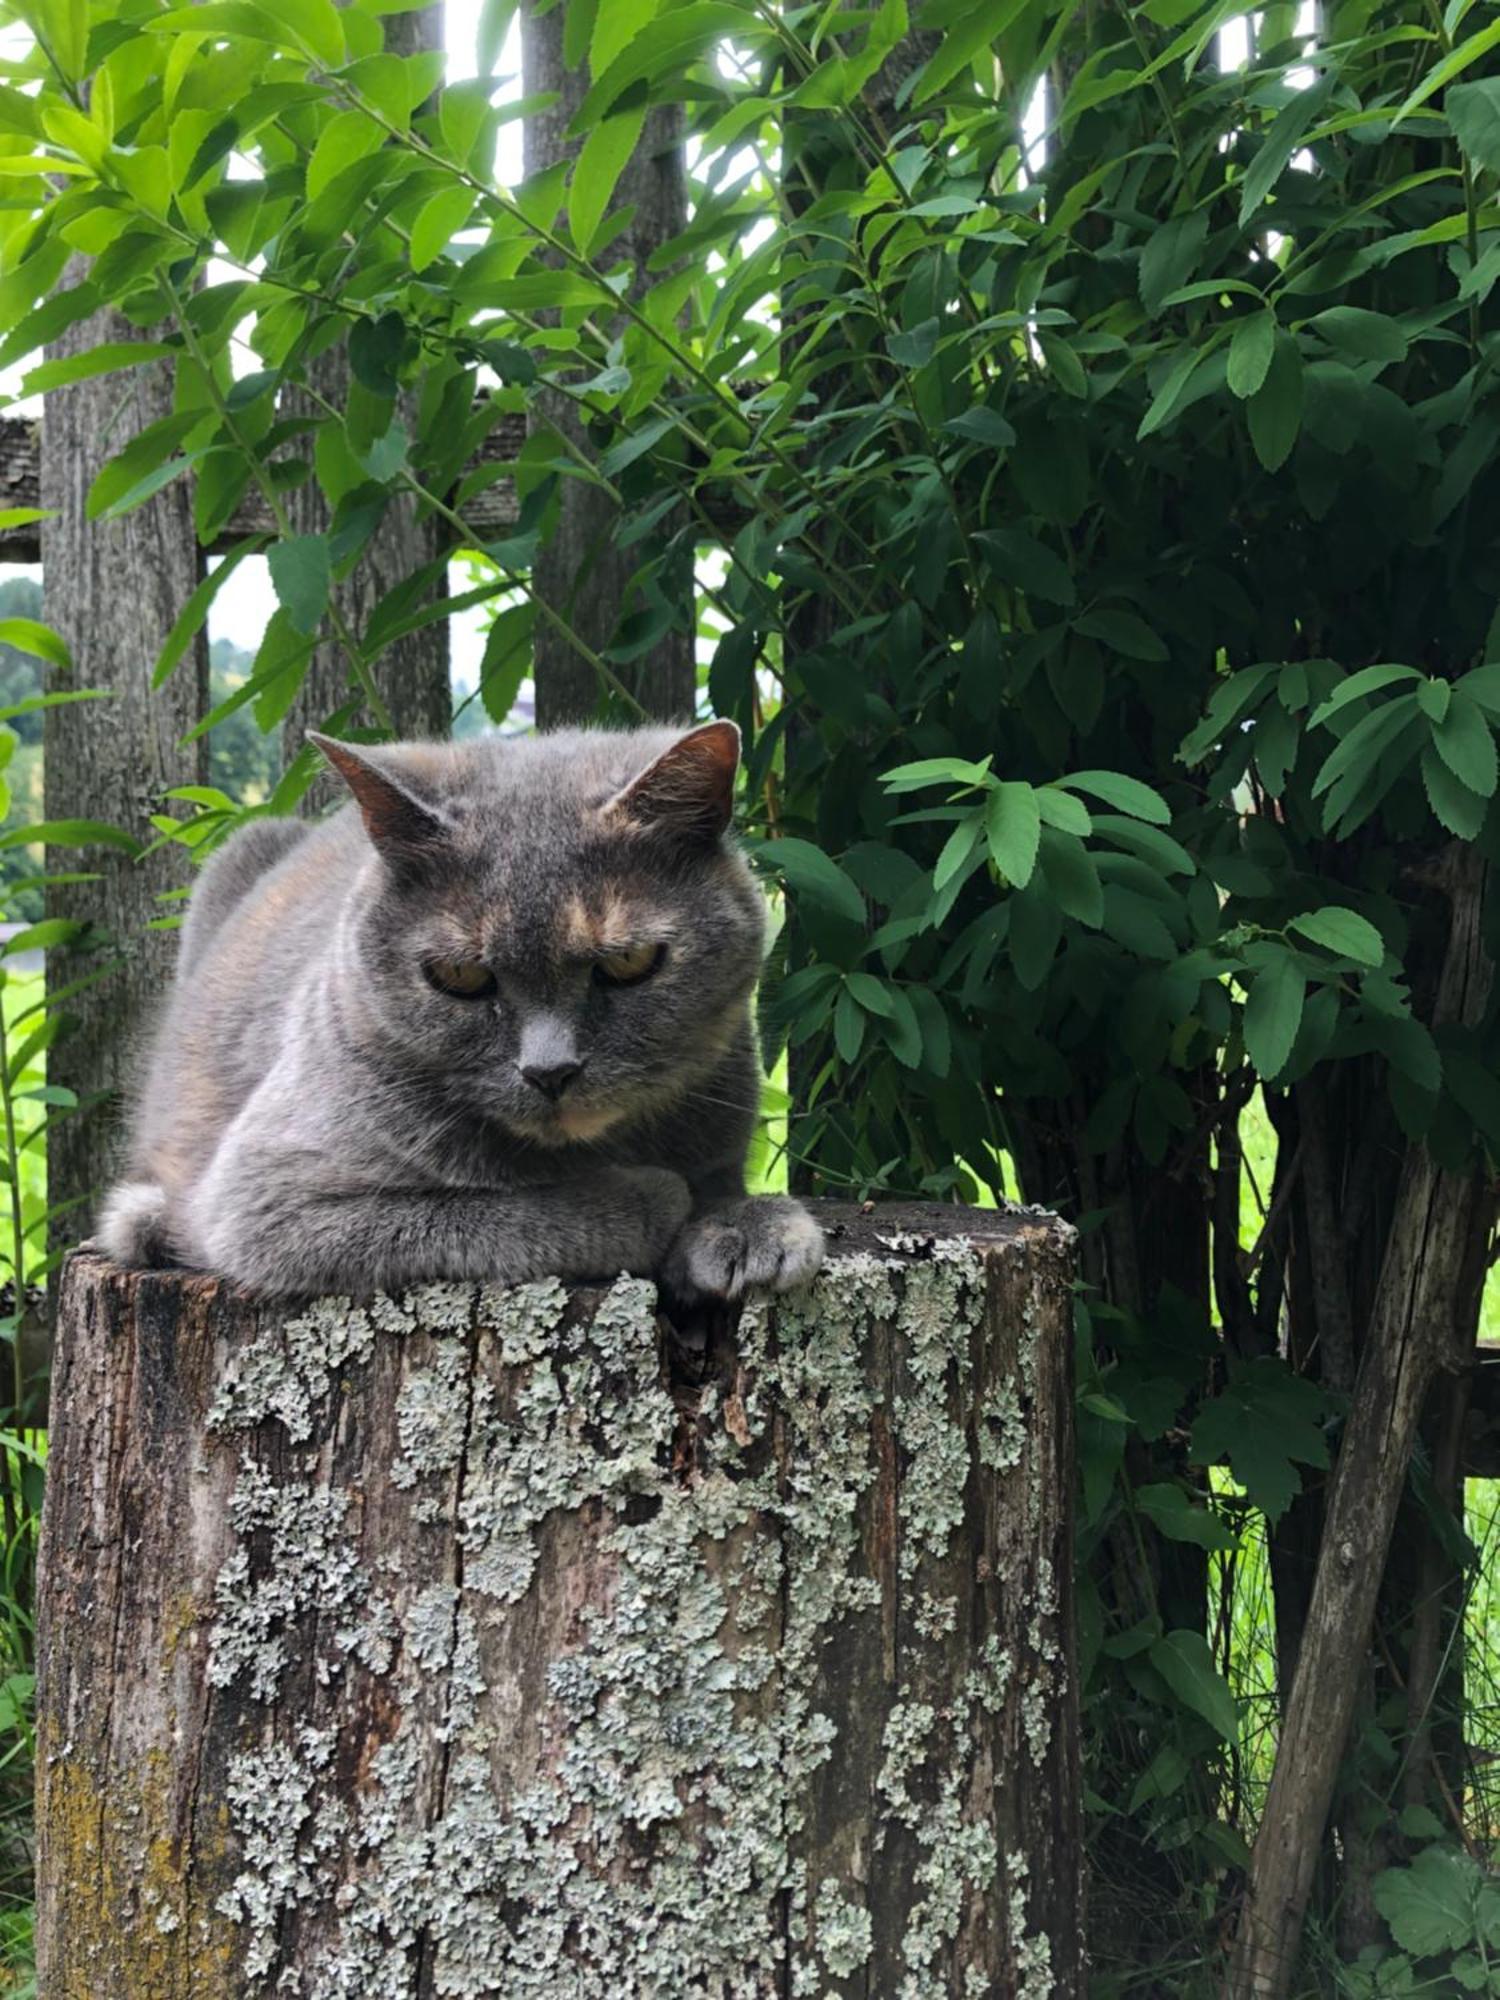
x=958 y=850
x=1430 y=1906
x=848 y=1027
x=1063 y=364
x=71 y=833
x=1281 y=141
x=1062 y=810
x=1072 y=877
x=812 y=876
x=1266 y=1422
x=1013 y=828
x=1473 y=110
x=1367 y=336
x=1367 y=681
x=1466 y=744
x=1343 y=932
x=1170 y=1511
x=27 y=635
x=302 y=573
x=108 y=358
x=189 y=621
x=348 y=137
x=664 y=47
x=602 y=159
x=1126 y=795
x=1024 y=561
x=507 y=659
x=1273 y=1014
x=1170 y=257
x=1123 y=632
x=376 y=348
x=1453 y=804
x=1250 y=348
x=1173 y=387
x=902 y=1031
x=982 y=425
x=1035 y=931
x=438 y=221
x=1274 y=412
x=1187 y=1666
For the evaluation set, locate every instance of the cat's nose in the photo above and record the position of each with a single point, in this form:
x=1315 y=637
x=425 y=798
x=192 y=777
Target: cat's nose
x=550 y=1078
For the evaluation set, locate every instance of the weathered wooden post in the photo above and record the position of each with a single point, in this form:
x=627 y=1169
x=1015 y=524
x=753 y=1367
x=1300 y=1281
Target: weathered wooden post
x=491 y=1641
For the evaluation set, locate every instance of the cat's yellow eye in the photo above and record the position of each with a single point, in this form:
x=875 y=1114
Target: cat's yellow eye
x=464 y=978
x=625 y=968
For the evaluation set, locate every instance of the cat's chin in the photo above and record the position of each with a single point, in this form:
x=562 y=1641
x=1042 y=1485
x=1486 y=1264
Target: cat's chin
x=573 y=1124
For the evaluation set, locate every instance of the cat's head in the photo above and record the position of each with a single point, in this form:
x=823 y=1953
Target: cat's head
x=557 y=930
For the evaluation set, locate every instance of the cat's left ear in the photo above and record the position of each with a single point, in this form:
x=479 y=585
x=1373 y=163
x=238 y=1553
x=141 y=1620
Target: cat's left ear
x=404 y=828
x=689 y=790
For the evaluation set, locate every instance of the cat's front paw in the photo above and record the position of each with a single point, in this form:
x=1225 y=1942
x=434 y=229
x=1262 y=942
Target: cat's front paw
x=767 y=1240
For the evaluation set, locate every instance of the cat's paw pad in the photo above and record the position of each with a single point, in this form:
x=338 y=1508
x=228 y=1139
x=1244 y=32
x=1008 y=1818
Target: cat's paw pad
x=771 y=1242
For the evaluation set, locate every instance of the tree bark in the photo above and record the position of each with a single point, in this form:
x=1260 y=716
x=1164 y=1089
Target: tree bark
x=579 y=571
x=486 y=1641
x=413 y=674
x=1421 y=1321
x=112 y=590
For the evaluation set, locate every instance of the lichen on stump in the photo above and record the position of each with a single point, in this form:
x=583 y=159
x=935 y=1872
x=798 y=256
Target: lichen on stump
x=509 y=1641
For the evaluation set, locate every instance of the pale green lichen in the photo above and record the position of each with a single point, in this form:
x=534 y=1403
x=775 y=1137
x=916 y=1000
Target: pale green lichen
x=647 y=1847
x=843 y=1932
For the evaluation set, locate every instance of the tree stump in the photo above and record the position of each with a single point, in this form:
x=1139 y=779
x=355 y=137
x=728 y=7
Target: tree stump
x=511 y=1641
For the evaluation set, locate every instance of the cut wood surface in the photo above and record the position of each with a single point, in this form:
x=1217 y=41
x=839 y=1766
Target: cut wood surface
x=511 y=1641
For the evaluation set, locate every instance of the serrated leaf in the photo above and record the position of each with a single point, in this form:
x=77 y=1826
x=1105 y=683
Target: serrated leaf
x=1367 y=681
x=1342 y=931
x=1273 y=1014
x=1250 y=349
x=1035 y=931
x=1453 y=804
x=1274 y=412
x=1473 y=111
x=1263 y=1425
x=1013 y=827
x=1367 y=336
x=1430 y=1905
x=814 y=876
x=1171 y=256
x=1072 y=877
x=1125 y=794
x=1466 y=744
x=302 y=572
x=1282 y=139
x=1123 y=632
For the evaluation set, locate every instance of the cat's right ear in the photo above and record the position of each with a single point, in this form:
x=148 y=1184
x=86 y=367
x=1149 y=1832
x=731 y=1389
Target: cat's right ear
x=404 y=828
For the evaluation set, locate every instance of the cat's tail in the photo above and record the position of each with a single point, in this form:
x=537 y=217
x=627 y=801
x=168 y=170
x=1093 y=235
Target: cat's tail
x=132 y=1227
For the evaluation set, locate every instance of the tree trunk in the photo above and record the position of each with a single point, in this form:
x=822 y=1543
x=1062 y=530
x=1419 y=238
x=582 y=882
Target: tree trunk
x=579 y=571
x=112 y=590
x=413 y=674
x=1421 y=1321
x=494 y=1641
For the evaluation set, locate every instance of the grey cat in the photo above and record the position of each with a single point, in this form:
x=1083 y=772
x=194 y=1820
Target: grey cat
x=494 y=1023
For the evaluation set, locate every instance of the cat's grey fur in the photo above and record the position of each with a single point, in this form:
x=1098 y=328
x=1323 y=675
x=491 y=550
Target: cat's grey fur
x=317 y=1117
